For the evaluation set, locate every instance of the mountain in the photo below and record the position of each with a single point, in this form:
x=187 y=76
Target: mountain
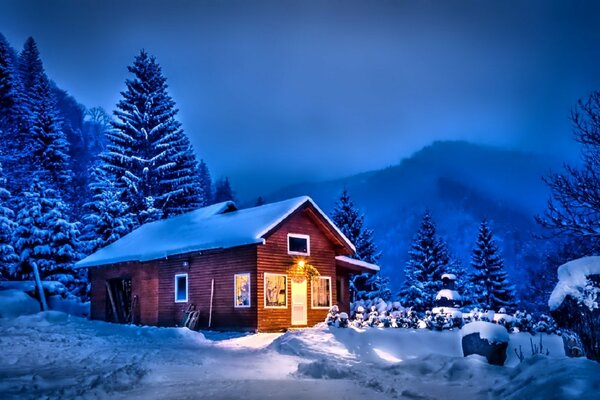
x=460 y=183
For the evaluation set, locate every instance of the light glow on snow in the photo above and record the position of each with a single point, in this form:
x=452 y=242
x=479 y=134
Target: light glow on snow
x=384 y=355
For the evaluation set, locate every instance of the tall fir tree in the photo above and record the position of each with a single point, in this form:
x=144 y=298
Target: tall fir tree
x=148 y=154
x=11 y=113
x=44 y=236
x=223 y=191
x=491 y=288
x=107 y=217
x=205 y=183
x=428 y=261
x=351 y=222
x=8 y=256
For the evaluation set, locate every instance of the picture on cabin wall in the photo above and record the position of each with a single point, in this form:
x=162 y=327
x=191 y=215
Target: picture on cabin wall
x=275 y=290
x=242 y=290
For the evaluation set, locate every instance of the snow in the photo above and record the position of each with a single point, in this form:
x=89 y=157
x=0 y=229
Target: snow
x=359 y=263
x=493 y=333
x=14 y=303
x=451 y=277
x=448 y=294
x=54 y=355
x=50 y=287
x=203 y=229
x=573 y=281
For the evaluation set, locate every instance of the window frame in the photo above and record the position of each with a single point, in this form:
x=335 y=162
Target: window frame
x=298 y=236
x=265 y=290
x=235 y=305
x=187 y=288
x=312 y=293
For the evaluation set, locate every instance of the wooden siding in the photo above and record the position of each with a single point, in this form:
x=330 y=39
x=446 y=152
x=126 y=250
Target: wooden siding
x=218 y=265
x=144 y=284
x=344 y=276
x=273 y=257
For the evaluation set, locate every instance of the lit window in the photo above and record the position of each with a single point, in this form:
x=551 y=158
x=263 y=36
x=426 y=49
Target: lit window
x=275 y=290
x=321 y=292
x=241 y=284
x=181 y=288
x=298 y=244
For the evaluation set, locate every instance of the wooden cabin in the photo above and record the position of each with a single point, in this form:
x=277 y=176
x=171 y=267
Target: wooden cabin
x=247 y=269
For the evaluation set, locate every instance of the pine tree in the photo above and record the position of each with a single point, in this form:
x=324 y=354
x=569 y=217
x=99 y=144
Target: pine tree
x=7 y=226
x=148 y=154
x=44 y=236
x=205 y=183
x=11 y=113
x=223 y=191
x=50 y=149
x=428 y=261
x=107 y=218
x=351 y=222
x=491 y=289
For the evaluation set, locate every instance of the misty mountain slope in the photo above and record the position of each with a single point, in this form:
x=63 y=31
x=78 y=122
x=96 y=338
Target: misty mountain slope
x=460 y=183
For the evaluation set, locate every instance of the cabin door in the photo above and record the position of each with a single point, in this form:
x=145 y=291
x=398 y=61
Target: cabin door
x=299 y=301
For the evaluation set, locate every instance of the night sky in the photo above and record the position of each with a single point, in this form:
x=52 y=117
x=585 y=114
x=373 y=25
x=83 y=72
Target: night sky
x=292 y=91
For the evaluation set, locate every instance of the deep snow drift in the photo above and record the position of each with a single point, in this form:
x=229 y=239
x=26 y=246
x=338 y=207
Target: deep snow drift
x=60 y=356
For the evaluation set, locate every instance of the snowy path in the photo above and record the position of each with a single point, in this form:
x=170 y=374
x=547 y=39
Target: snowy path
x=52 y=355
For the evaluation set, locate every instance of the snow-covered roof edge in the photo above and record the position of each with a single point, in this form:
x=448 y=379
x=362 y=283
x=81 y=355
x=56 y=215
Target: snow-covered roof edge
x=572 y=279
x=311 y=201
x=358 y=263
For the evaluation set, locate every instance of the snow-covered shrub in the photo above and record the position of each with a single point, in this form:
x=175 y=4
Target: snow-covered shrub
x=332 y=315
x=545 y=324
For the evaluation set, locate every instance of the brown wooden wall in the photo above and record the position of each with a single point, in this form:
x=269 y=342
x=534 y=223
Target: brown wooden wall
x=273 y=257
x=344 y=304
x=144 y=284
x=220 y=266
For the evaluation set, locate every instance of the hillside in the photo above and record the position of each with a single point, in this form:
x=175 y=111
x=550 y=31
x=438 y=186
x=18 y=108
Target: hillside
x=460 y=183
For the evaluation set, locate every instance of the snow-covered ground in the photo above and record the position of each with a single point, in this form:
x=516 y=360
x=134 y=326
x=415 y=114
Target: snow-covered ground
x=54 y=355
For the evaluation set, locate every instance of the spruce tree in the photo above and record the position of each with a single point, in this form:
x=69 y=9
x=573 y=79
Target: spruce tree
x=44 y=236
x=351 y=222
x=428 y=261
x=107 y=217
x=491 y=288
x=7 y=226
x=205 y=183
x=148 y=154
x=223 y=191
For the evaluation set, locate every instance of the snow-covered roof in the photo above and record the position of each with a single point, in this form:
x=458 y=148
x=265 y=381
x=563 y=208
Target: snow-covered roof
x=448 y=294
x=573 y=280
x=357 y=263
x=212 y=227
x=451 y=277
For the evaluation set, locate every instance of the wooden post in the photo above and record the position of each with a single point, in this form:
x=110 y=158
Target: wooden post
x=38 y=282
x=212 y=293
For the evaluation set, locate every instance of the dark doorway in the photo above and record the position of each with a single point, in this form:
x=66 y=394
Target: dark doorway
x=119 y=301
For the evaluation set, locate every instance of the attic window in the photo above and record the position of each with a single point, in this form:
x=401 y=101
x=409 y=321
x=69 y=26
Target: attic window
x=298 y=244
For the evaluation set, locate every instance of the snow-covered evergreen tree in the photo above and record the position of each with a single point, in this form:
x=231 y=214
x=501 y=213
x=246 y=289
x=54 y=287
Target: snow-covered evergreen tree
x=148 y=154
x=107 y=218
x=491 y=288
x=44 y=236
x=205 y=182
x=428 y=261
x=223 y=191
x=50 y=147
x=351 y=222
x=7 y=227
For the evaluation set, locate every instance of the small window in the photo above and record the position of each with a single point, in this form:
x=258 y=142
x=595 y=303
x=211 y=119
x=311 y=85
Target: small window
x=298 y=244
x=321 y=292
x=275 y=290
x=181 y=288
x=241 y=284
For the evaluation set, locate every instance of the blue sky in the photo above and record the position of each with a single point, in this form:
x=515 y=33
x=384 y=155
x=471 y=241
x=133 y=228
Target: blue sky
x=275 y=92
